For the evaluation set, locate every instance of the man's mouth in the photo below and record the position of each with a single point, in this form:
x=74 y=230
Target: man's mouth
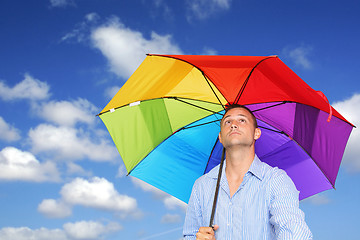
x=234 y=132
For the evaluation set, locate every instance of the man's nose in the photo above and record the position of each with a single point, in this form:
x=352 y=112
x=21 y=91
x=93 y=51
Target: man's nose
x=233 y=125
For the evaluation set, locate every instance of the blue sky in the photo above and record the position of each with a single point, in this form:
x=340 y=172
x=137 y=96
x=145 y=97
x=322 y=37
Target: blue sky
x=61 y=62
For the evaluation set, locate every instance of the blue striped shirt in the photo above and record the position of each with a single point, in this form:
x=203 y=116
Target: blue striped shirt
x=266 y=206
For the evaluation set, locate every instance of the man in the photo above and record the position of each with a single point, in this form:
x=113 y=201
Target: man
x=255 y=201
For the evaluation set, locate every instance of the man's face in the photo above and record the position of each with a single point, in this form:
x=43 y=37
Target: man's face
x=237 y=128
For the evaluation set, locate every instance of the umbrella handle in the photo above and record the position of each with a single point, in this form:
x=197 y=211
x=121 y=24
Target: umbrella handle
x=217 y=189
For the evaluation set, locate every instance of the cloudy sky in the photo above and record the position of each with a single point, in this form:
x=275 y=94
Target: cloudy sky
x=61 y=61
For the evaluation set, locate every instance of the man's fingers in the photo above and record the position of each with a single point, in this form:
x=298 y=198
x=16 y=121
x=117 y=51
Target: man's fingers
x=215 y=227
x=207 y=230
x=205 y=233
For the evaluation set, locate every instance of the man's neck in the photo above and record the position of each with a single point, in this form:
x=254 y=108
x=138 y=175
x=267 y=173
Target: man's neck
x=238 y=162
x=239 y=159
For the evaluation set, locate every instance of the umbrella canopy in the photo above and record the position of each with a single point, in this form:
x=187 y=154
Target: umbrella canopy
x=165 y=120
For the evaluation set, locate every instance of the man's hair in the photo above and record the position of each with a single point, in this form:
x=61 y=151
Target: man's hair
x=228 y=107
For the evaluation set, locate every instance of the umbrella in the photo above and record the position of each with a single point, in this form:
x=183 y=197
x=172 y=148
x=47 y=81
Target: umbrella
x=165 y=120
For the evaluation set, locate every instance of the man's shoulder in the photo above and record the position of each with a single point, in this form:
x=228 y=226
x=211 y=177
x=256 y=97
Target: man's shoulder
x=208 y=178
x=273 y=173
x=204 y=184
x=213 y=173
x=268 y=170
x=278 y=180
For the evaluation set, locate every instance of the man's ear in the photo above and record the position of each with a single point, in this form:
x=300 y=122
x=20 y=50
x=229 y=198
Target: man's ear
x=220 y=137
x=257 y=133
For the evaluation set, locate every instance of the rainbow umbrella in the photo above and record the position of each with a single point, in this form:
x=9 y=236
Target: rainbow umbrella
x=165 y=120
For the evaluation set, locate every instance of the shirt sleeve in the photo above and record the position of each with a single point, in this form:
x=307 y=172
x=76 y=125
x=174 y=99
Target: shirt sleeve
x=193 y=215
x=286 y=217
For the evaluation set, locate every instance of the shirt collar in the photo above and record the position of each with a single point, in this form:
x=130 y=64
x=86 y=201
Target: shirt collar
x=256 y=168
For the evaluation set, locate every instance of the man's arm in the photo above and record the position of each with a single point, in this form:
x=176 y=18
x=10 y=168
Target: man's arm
x=194 y=226
x=191 y=229
x=193 y=218
x=286 y=217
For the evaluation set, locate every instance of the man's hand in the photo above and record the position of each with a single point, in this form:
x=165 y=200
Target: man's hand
x=206 y=233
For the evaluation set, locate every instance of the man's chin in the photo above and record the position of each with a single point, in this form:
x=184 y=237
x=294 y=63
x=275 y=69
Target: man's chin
x=238 y=144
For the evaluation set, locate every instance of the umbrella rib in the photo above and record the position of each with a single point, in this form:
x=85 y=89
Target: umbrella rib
x=206 y=79
x=191 y=104
x=175 y=98
x=212 y=151
x=256 y=110
x=237 y=99
x=201 y=124
x=281 y=132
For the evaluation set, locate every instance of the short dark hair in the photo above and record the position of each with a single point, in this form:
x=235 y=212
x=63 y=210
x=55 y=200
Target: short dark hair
x=228 y=107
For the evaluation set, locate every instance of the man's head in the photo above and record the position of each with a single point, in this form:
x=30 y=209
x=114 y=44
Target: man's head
x=238 y=127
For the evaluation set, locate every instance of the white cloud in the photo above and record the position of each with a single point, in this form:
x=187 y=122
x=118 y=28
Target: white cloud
x=75 y=169
x=171 y=218
x=87 y=230
x=203 y=9
x=349 y=108
x=62 y=3
x=169 y=201
x=209 y=51
x=8 y=132
x=67 y=113
x=160 y=6
x=70 y=144
x=122 y=172
x=82 y=230
x=173 y=203
x=54 y=209
x=30 y=88
x=18 y=165
x=25 y=233
x=148 y=188
x=81 y=31
x=97 y=193
x=92 y=17
x=299 y=56
x=125 y=48
x=110 y=92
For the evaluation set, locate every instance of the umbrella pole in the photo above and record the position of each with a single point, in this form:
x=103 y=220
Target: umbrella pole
x=217 y=189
